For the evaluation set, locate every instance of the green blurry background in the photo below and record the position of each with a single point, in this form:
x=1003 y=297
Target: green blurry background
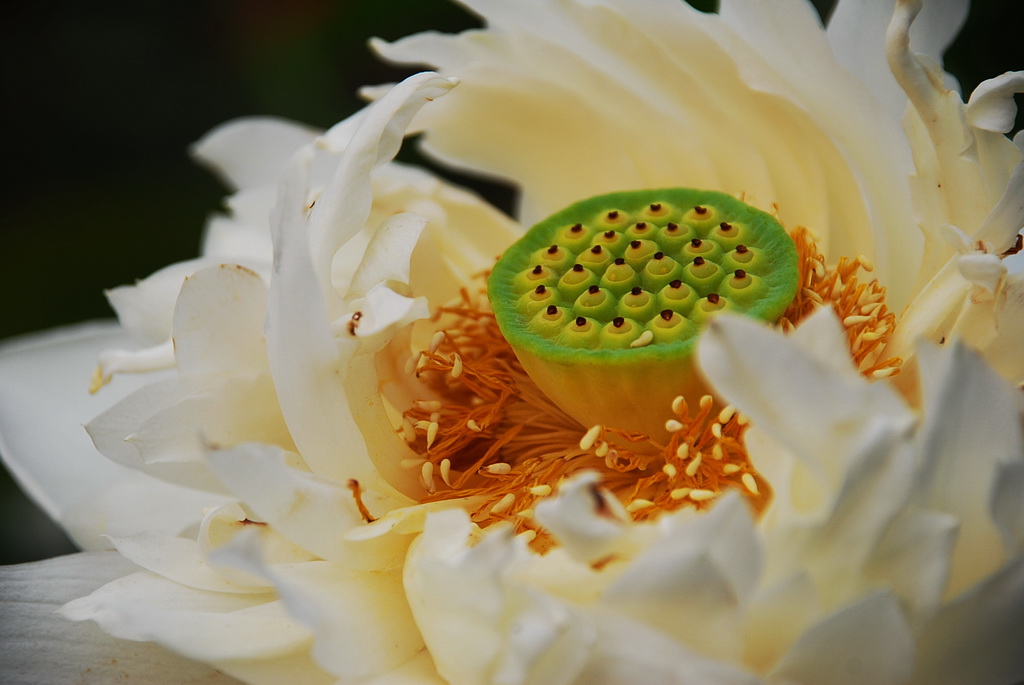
x=102 y=99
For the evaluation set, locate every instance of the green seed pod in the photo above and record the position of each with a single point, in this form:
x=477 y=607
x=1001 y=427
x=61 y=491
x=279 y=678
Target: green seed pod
x=575 y=281
x=595 y=303
x=624 y=285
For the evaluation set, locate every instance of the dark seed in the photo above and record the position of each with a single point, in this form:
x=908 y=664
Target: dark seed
x=593 y=290
x=713 y=298
x=581 y=321
x=667 y=314
x=577 y=268
x=636 y=291
x=552 y=310
x=618 y=322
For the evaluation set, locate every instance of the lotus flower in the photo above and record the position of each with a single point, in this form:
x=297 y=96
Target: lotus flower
x=323 y=460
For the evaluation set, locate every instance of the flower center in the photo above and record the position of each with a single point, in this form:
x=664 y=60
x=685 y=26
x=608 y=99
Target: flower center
x=603 y=301
x=485 y=435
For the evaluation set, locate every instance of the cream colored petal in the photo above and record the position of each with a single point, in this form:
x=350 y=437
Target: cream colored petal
x=179 y=560
x=825 y=416
x=856 y=32
x=386 y=260
x=626 y=651
x=1008 y=507
x=208 y=626
x=986 y=623
x=360 y=620
x=1006 y=220
x=971 y=427
x=242 y=234
x=867 y=642
x=704 y=569
x=913 y=559
x=587 y=520
x=218 y=324
x=991 y=106
x=417 y=671
x=117 y=361
x=345 y=205
x=312 y=511
x=44 y=398
x=381 y=314
x=455 y=595
x=40 y=647
x=251 y=151
x=533 y=108
x=222 y=524
x=171 y=443
x=996 y=328
x=146 y=309
x=308 y=364
x=778 y=615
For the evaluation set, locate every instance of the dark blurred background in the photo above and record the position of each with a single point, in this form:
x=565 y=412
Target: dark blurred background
x=102 y=99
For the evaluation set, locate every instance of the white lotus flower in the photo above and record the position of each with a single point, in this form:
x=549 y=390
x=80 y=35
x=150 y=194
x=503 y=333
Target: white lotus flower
x=333 y=471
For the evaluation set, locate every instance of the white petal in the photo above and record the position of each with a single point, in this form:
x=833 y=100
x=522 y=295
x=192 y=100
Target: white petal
x=706 y=568
x=856 y=31
x=628 y=652
x=386 y=260
x=179 y=560
x=585 y=519
x=985 y=624
x=1008 y=507
x=310 y=510
x=382 y=313
x=146 y=309
x=41 y=647
x=242 y=236
x=251 y=151
x=983 y=270
x=971 y=427
x=171 y=442
x=532 y=107
x=824 y=415
x=913 y=558
x=777 y=617
x=218 y=323
x=1005 y=221
x=43 y=404
x=345 y=205
x=868 y=642
x=360 y=619
x=307 y=363
x=455 y=595
x=991 y=106
x=417 y=671
x=209 y=626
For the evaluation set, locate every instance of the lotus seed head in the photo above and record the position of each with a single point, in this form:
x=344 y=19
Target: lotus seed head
x=583 y=284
